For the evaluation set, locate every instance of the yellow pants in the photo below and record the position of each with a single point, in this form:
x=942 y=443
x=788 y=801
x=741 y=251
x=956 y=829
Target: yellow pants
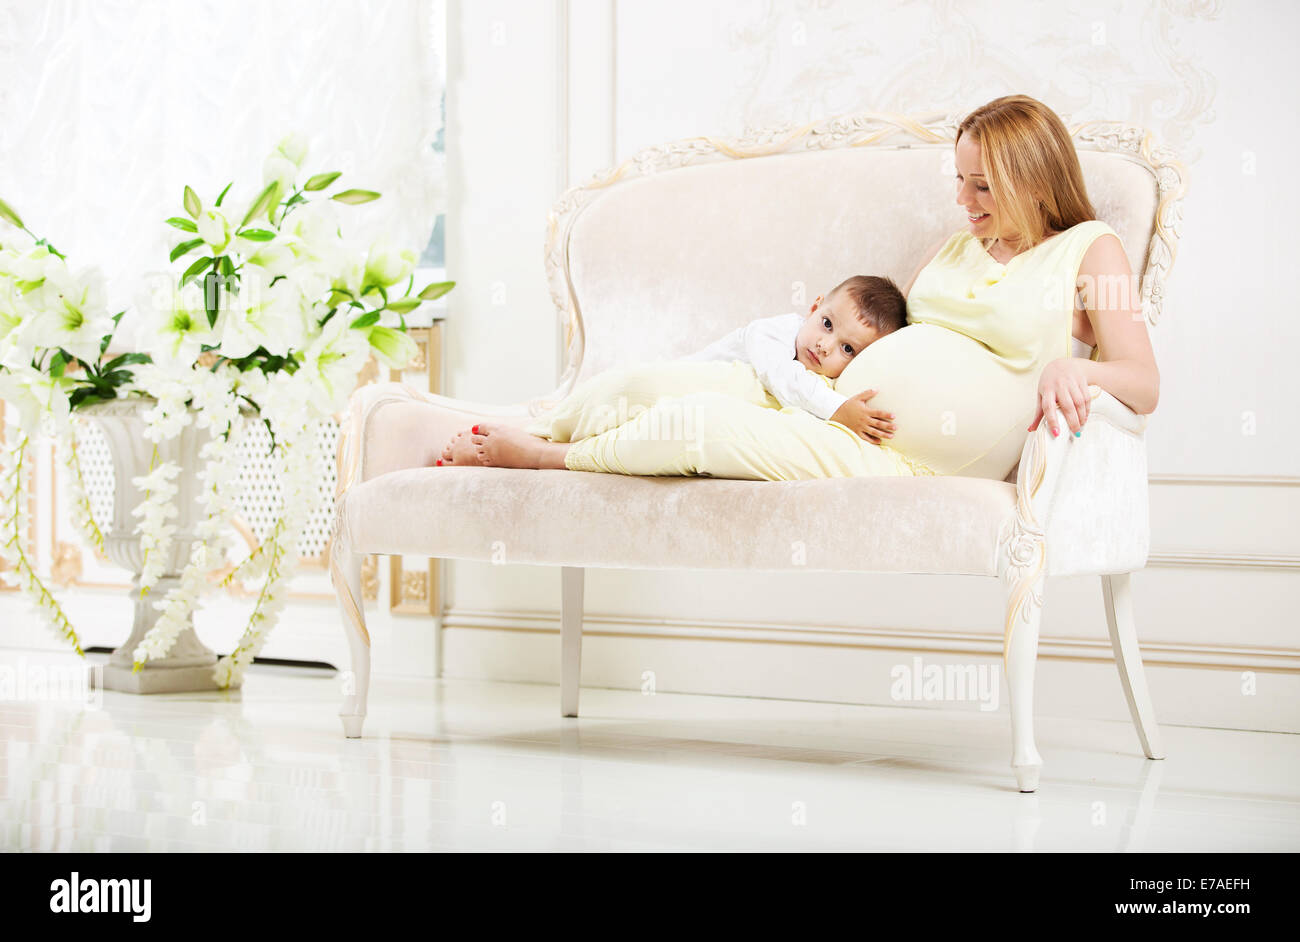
x=707 y=420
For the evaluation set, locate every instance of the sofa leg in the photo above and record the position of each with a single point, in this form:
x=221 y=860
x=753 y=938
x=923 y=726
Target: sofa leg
x=570 y=638
x=345 y=571
x=1116 y=591
x=1019 y=659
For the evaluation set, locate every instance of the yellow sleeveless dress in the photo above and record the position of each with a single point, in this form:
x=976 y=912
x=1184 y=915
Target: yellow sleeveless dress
x=962 y=377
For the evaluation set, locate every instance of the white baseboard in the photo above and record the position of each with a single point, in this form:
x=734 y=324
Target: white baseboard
x=1190 y=685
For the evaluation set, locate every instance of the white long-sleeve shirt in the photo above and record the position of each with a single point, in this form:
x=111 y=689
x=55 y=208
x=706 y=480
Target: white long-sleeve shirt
x=767 y=345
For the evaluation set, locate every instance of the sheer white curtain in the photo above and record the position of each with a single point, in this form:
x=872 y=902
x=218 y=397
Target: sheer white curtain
x=108 y=108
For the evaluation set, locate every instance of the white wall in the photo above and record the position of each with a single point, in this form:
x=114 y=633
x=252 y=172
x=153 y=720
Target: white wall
x=541 y=94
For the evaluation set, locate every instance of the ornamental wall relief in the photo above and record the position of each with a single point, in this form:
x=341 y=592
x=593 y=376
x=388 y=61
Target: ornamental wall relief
x=1130 y=60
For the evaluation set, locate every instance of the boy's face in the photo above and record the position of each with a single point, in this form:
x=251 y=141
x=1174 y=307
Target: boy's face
x=831 y=336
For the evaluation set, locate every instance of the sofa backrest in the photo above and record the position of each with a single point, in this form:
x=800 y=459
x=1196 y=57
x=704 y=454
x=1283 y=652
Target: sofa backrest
x=689 y=240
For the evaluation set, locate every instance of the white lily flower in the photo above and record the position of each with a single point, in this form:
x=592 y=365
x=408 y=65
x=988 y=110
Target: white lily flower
x=177 y=330
x=34 y=395
x=350 y=277
x=261 y=315
x=69 y=313
x=332 y=362
x=385 y=266
x=394 y=347
x=9 y=318
x=276 y=256
x=214 y=229
x=293 y=147
x=279 y=169
x=312 y=232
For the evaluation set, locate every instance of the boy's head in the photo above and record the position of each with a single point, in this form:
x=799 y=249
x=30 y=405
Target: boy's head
x=854 y=315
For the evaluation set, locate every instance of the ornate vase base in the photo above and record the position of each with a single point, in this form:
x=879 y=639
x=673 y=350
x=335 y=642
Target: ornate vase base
x=153 y=679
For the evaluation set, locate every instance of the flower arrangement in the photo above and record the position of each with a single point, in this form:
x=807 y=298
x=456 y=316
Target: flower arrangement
x=274 y=314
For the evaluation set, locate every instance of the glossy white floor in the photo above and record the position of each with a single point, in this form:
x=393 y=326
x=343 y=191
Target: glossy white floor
x=492 y=766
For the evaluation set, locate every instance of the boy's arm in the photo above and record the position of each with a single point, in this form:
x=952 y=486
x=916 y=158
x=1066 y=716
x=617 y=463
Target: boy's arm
x=728 y=347
x=769 y=348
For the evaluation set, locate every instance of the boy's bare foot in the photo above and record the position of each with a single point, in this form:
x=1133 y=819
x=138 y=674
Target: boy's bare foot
x=461 y=450
x=505 y=446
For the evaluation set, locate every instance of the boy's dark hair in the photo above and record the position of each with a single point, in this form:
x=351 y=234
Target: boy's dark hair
x=876 y=301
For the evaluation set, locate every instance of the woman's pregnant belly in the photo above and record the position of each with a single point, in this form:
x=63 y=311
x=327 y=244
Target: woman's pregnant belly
x=958 y=409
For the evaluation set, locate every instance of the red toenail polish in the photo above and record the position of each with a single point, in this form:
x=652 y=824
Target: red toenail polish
x=439 y=462
x=474 y=430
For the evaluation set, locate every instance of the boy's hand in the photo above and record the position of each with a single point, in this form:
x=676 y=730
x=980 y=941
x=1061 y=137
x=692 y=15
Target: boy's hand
x=871 y=424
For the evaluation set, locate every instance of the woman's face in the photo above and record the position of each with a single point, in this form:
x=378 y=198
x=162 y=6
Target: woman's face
x=973 y=190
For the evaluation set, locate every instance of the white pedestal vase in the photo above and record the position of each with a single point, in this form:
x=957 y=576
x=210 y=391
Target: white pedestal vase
x=189 y=664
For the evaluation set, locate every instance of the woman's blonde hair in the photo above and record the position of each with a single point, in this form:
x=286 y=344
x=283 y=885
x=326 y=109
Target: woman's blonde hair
x=1031 y=165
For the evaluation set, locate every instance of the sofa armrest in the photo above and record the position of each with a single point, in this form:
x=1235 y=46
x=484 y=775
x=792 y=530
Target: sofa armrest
x=391 y=427
x=1087 y=497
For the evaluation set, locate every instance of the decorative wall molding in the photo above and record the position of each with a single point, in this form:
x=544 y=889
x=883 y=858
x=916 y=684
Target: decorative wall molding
x=1222 y=561
x=1226 y=657
x=1226 y=480
x=1080 y=61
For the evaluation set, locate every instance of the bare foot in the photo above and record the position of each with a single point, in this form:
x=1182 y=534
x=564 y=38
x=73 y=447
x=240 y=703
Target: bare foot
x=505 y=446
x=461 y=450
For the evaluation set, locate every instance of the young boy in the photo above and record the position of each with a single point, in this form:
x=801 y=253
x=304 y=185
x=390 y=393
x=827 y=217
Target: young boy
x=798 y=357
x=791 y=358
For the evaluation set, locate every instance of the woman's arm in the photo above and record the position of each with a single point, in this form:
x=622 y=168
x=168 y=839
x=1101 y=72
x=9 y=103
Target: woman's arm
x=1126 y=366
x=929 y=257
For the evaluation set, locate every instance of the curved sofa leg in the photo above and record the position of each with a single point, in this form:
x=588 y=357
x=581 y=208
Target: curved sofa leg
x=345 y=571
x=571 y=583
x=1116 y=591
x=1020 y=658
x=1024 y=579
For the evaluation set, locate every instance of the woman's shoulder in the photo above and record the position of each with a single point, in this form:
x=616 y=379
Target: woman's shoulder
x=1087 y=232
x=957 y=244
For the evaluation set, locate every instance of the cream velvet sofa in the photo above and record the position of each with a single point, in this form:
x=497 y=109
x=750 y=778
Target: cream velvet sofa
x=691 y=239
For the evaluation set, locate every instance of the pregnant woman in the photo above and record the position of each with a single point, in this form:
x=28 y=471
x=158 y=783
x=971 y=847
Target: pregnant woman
x=985 y=356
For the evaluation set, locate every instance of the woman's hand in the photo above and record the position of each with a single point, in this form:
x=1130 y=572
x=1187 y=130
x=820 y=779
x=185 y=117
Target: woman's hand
x=1064 y=384
x=871 y=424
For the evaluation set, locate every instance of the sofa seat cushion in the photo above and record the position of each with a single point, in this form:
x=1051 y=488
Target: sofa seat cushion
x=608 y=521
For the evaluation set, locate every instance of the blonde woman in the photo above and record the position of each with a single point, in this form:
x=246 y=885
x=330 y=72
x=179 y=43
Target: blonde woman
x=995 y=311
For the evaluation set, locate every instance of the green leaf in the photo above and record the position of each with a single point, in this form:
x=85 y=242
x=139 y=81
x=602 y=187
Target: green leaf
x=436 y=290
x=356 y=197
x=369 y=319
x=105 y=340
x=117 y=377
x=58 y=363
x=322 y=180
x=256 y=235
x=404 y=306
x=84 y=396
x=8 y=215
x=180 y=222
x=265 y=200
x=195 y=269
x=185 y=247
x=212 y=296
x=126 y=359
x=192 y=204
x=227 y=266
x=223 y=192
